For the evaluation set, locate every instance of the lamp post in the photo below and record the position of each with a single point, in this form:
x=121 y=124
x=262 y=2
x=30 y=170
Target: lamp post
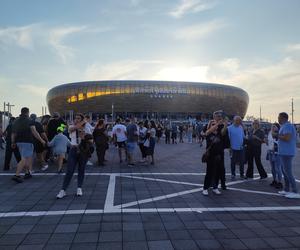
x=293 y=111
x=112 y=112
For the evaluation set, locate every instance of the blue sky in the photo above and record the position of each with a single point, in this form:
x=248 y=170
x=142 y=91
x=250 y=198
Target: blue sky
x=253 y=44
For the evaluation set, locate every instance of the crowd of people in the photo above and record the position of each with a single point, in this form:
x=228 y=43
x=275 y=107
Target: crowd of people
x=72 y=145
x=245 y=145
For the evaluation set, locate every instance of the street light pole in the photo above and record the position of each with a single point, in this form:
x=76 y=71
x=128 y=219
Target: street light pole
x=112 y=112
x=260 y=113
x=293 y=111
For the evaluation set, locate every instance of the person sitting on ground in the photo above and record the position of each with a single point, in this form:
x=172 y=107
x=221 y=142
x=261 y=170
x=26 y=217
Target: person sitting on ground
x=60 y=144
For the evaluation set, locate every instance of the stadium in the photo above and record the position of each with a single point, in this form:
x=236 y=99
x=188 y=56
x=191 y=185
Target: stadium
x=154 y=99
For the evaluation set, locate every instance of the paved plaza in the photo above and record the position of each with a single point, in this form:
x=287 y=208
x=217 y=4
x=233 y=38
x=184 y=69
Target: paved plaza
x=147 y=207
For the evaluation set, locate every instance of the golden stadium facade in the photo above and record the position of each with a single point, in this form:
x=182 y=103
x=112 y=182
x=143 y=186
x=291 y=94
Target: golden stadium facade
x=140 y=98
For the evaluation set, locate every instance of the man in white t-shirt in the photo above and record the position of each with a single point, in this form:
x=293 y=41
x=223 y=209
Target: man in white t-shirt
x=120 y=137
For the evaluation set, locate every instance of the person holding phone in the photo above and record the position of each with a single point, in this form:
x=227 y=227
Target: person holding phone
x=215 y=133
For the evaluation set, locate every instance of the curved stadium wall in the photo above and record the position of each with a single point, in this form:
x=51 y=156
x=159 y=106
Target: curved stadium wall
x=139 y=97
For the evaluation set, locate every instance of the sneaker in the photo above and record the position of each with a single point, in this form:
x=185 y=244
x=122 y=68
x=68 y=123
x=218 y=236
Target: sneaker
x=263 y=177
x=79 y=192
x=273 y=183
x=205 y=192
x=89 y=163
x=283 y=193
x=293 y=195
x=17 y=179
x=61 y=194
x=45 y=167
x=27 y=176
x=224 y=187
x=216 y=191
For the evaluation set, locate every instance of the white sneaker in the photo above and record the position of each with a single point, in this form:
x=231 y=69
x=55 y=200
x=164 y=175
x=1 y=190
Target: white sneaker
x=216 y=191
x=293 y=195
x=283 y=193
x=89 y=163
x=205 y=192
x=79 y=192
x=45 y=167
x=61 y=194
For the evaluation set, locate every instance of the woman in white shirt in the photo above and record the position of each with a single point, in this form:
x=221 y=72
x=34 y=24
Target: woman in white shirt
x=273 y=157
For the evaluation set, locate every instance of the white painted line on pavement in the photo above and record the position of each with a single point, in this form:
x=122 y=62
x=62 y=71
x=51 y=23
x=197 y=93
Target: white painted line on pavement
x=110 y=195
x=150 y=210
x=163 y=180
x=162 y=197
x=108 y=174
x=253 y=191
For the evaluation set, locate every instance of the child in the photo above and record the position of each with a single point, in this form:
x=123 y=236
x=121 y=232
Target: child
x=60 y=144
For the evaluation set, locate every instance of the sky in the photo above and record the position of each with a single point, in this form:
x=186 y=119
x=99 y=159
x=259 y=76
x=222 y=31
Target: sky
x=254 y=45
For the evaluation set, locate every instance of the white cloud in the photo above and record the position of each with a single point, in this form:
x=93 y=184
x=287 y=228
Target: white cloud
x=36 y=90
x=121 y=70
x=56 y=37
x=230 y=64
x=191 y=6
x=20 y=36
x=179 y=73
x=293 y=47
x=271 y=85
x=53 y=37
x=199 y=31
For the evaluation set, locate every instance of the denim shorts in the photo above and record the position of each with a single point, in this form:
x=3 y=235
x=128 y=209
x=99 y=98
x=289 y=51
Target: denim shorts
x=26 y=149
x=130 y=147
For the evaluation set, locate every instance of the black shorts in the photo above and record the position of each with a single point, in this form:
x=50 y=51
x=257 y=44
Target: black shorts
x=121 y=144
x=38 y=147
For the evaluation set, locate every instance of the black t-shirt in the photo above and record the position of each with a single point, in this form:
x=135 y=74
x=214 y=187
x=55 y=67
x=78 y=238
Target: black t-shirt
x=255 y=142
x=100 y=136
x=216 y=141
x=53 y=124
x=21 y=127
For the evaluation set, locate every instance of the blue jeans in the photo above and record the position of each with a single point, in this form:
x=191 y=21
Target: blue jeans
x=276 y=166
x=74 y=159
x=286 y=162
x=190 y=137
